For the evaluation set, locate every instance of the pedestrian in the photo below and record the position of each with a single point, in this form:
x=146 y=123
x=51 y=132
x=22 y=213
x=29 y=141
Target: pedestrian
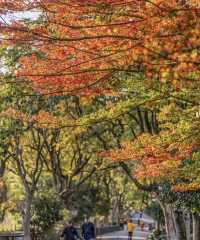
x=138 y=221
x=121 y=223
x=141 y=213
x=125 y=225
x=70 y=232
x=88 y=230
x=142 y=225
x=130 y=228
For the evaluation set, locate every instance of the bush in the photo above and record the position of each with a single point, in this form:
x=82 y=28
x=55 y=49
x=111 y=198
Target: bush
x=46 y=211
x=156 y=235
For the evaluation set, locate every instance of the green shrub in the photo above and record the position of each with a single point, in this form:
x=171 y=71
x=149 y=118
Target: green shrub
x=46 y=211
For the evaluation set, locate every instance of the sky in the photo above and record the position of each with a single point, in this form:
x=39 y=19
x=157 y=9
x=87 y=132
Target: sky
x=18 y=16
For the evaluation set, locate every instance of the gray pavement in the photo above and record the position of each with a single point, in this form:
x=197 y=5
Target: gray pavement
x=137 y=234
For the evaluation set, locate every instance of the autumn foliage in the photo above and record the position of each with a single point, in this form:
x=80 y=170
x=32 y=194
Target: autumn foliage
x=154 y=160
x=78 y=47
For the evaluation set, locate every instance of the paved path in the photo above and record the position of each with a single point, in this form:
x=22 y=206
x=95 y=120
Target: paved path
x=147 y=219
x=137 y=235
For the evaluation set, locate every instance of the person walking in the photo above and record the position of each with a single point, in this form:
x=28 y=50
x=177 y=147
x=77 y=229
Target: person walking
x=142 y=224
x=130 y=228
x=125 y=225
x=70 y=232
x=138 y=221
x=88 y=230
x=141 y=213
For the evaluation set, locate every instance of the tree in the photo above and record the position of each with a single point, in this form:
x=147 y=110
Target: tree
x=142 y=56
x=106 y=41
x=45 y=212
x=26 y=162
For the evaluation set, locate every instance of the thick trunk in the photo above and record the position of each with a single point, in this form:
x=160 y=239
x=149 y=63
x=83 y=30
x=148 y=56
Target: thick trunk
x=27 y=218
x=3 y=189
x=147 y=123
x=140 y=120
x=188 y=226
x=115 y=212
x=179 y=225
x=196 y=226
x=169 y=223
x=159 y=222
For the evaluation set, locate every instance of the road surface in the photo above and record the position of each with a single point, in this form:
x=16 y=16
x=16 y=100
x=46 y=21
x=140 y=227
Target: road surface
x=137 y=234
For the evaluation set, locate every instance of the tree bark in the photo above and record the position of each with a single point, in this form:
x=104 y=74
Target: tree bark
x=140 y=120
x=27 y=218
x=179 y=225
x=188 y=225
x=147 y=123
x=196 y=226
x=169 y=223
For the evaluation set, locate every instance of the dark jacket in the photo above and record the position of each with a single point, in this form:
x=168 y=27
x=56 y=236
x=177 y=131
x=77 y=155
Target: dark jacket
x=69 y=233
x=88 y=231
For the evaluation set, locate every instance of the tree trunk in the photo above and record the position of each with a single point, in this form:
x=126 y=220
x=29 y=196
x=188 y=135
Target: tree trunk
x=196 y=226
x=27 y=218
x=179 y=225
x=188 y=225
x=147 y=123
x=140 y=120
x=159 y=222
x=169 y=223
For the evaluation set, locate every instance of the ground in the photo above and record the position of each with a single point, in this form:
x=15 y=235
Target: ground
x=137 y=235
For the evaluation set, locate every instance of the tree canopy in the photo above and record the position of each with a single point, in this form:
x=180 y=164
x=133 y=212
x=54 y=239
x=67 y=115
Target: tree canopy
x=97 y=85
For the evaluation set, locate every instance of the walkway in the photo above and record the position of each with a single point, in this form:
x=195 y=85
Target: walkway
x=137 y=235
